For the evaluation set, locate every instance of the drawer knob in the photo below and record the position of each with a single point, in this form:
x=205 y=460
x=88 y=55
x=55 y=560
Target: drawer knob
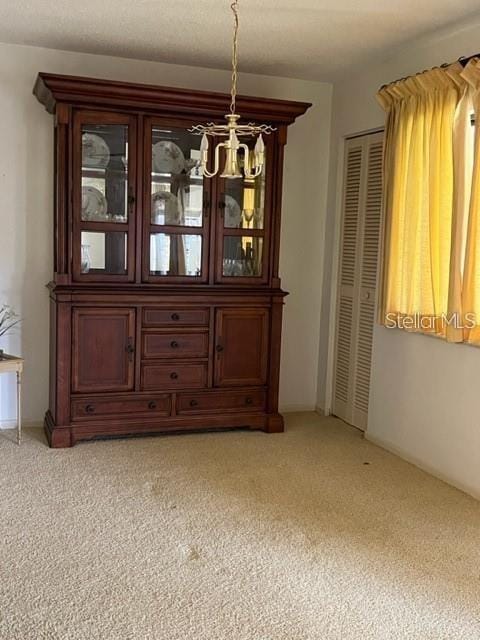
x=89 y=408
x=174 y=375
x=193 y=403
x=175 y=316
x=248 y=400
x=152 y=405
x=174 y=344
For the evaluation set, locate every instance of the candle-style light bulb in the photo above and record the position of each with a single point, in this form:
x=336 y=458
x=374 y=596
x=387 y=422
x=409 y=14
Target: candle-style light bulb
x=260 y=145
x=204 y=151
x=204 y=143
x=259 y=153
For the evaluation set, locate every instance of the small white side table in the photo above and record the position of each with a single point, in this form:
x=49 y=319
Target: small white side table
x=8 y=364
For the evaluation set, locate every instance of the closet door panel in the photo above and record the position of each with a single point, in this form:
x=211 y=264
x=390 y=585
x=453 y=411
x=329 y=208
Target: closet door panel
x=352 y=192
x=370 y=239
x=362 y=205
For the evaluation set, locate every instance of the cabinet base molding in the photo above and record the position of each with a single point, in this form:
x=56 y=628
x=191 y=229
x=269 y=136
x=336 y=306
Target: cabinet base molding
x=275 y=423
x=60 y=437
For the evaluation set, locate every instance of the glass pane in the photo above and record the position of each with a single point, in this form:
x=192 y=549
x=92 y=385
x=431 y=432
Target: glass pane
x=177 y=180
x=244 y=200
x=175 y=254
x=105 y=172
x=242 y=256
x=104 y=252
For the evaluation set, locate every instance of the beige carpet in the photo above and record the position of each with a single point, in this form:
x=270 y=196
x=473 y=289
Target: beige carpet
x=233 y=536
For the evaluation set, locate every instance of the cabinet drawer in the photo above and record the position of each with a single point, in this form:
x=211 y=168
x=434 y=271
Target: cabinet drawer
x=174 y=376
x=113 y=407
x=175 y=345
x=222 y=401
x=161 y=317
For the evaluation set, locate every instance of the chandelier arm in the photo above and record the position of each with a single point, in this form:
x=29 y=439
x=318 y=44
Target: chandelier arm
x=246 y=164
x=216 y=165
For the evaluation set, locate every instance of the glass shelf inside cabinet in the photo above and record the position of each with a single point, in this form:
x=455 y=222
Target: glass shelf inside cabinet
x=176 y=178
x=242 y=256
x=243 y=202
x=104 y=173
x=175 y=254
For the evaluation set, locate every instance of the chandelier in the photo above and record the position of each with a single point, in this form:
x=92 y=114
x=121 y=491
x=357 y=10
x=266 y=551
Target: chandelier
x=253 y=161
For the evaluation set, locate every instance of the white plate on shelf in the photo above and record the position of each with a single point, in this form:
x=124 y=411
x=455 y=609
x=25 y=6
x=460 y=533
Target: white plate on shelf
x=233 y=213
x=165 y=208
x=167 y=157
x=94 y=204
x=95 y=151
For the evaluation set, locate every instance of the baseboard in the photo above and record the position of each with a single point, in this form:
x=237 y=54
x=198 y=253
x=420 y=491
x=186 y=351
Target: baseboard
x=12 y=424
x=296 y=408
x=405 y=455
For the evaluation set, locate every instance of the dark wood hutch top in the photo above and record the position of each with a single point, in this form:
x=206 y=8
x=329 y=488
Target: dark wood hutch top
x=51 y=89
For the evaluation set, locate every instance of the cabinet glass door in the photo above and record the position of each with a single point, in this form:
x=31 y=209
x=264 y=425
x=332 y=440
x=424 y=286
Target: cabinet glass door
x=242 y=226
x=104 y=196
x=176 y=205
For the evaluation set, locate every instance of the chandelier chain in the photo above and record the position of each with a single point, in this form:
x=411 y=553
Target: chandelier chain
x=234 y=8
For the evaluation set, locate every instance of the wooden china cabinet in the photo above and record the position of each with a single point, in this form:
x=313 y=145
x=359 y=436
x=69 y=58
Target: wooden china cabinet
x=166 y=305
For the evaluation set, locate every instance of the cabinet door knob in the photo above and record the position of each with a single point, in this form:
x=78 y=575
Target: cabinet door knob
x=219 y=348
x=130 y=199
x=206 y=206
x=193 y=403
x=174 y=344
x=174 y=375
x=130 y=349
x=89 y=408
x=248 y=400
x=175 y=316
x=152 y=405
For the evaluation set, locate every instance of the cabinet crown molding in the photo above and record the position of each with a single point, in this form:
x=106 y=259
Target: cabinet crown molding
x=52 y=89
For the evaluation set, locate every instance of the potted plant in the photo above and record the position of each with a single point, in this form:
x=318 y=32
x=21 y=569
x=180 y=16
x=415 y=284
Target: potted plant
x=8 y=320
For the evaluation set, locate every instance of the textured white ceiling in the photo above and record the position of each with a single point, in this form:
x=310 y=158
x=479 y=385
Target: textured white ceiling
x=311 y=39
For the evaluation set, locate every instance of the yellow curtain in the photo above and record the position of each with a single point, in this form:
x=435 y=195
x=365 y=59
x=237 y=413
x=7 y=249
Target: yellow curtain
x=471 y=276
x=419 y=201
x=462 y=184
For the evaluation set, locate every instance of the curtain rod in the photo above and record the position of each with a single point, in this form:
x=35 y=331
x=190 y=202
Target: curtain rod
x=463 y=60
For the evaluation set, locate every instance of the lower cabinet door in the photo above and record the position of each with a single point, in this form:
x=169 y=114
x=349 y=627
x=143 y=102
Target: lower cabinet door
x=241 y=346
x=103 y=349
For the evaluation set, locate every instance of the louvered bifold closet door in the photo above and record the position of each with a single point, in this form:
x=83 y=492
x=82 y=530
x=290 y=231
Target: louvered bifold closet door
x=358 y=275
x=352 y=186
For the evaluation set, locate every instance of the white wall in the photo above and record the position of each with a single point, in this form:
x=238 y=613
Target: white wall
x=26 y=197
x=425 y=400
